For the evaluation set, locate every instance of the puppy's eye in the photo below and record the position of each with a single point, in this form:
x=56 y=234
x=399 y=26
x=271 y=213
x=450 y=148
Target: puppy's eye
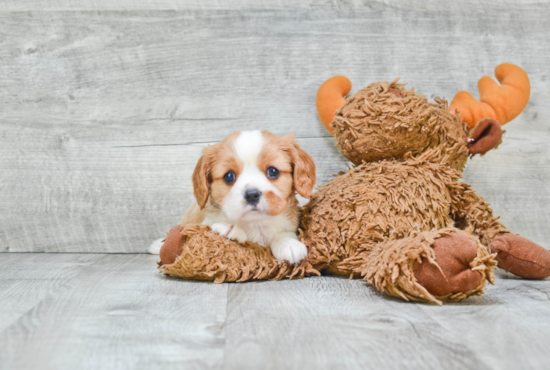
x=272 y=173
x=229 y=177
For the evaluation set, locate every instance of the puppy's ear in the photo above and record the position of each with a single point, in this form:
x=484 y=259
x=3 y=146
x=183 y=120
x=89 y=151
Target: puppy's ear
x=201 y=177
x=304 y=168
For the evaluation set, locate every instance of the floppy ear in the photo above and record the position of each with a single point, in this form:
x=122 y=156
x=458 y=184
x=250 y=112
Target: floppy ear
x=304 y=168
x=486 y=135
x=200 y=178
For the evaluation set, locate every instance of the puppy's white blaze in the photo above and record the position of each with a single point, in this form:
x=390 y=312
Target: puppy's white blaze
x=248 y=146
x=257 y=225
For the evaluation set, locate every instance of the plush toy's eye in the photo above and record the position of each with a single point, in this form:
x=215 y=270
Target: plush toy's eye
x=229 y=177
x=272 y=173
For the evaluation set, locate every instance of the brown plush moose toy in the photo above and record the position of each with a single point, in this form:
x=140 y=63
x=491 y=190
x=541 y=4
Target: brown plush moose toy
x=401 y=219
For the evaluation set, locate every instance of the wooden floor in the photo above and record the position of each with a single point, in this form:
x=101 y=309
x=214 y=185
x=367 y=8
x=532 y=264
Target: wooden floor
x=105 y=107
x=99 y=311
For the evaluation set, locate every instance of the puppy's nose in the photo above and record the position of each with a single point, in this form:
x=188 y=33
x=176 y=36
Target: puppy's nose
x=252 y=196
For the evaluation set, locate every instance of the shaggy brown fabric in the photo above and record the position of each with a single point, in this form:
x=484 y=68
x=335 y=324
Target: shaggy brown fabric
x=473 y=214
x=521 y=257
x=208 y=256
x=390 y=267
x=372 y=210
x=384 y=121
x=372 y=203
x=401 y=219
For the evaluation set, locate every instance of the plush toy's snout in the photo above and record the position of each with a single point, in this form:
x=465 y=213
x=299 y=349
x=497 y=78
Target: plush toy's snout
x=486 y=135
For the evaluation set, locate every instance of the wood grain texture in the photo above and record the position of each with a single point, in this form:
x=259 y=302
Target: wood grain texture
x=24 y=285
x=116 y=311
x=104 y=113
x=335 y=323
x=466 y=6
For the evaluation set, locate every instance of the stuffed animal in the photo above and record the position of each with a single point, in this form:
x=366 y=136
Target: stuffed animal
x=400 y=219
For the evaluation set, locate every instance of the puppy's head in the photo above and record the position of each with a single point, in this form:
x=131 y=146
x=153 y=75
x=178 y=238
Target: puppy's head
x=253 y=173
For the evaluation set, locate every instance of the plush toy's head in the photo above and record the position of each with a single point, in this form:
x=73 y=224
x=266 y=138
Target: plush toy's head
x=386 y=121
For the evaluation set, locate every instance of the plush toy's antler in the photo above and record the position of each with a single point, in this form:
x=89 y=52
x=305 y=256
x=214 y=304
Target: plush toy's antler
x=330 y=97
x=503 y=103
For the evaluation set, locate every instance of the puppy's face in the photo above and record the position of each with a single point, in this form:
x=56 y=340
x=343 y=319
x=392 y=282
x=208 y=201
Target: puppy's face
x=251 y=174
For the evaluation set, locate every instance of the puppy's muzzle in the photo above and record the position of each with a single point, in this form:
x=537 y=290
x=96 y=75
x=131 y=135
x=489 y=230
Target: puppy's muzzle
x=252 y=196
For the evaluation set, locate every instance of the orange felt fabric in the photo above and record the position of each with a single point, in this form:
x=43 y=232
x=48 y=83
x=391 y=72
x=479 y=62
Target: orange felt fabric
x=330 y=97
x=503 y=103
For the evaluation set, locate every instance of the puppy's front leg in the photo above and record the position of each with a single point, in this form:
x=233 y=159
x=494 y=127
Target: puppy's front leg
x=285 y=246
x=230 y=231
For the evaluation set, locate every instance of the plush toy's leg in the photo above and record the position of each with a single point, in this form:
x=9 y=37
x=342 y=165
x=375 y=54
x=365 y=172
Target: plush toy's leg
x=521 y=257
x=514 y=253
x=434 y=266
x=196 y=252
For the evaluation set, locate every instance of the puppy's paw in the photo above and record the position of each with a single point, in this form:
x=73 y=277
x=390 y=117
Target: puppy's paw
x=154 y=248
x=290 y=250
x=230 y=231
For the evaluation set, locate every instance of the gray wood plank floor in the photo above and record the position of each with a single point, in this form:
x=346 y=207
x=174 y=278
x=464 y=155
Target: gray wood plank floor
x=115 y=311
x=105 y=105
x=104 y=108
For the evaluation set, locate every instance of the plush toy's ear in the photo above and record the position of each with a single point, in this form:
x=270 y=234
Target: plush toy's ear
x=200 y=178
x=486 y=135
x=330 y=98
x=303 y=167
x=503 y=103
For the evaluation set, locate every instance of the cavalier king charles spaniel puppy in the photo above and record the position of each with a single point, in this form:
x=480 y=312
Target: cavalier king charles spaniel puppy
x=245 y=189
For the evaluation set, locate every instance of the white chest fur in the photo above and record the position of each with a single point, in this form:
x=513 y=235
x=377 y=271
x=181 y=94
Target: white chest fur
x=259 y=231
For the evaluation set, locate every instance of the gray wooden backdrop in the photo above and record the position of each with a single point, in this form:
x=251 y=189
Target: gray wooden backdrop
x=105 y=105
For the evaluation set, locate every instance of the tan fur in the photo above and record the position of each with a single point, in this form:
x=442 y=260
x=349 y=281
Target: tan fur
x=293 y=211
x=379 y=218
x=194 y=215
x=215 y=162
x=282 y=153
x=274 y=155
x=303 y=166
x=201 y=185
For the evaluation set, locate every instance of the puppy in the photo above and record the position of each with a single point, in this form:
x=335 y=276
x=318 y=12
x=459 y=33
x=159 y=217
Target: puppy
x=245 y=189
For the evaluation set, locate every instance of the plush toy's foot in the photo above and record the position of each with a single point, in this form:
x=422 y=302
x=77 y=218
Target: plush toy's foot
x=452 y=274
x=445 y=265
x=521 y=257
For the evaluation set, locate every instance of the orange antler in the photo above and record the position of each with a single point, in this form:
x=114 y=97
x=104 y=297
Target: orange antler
x=503 y=103
x=330 y=97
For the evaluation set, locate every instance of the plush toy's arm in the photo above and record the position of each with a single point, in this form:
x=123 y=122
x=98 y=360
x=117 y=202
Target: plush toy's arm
x=196 y=252
x=514 y=253
x=472 y=212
